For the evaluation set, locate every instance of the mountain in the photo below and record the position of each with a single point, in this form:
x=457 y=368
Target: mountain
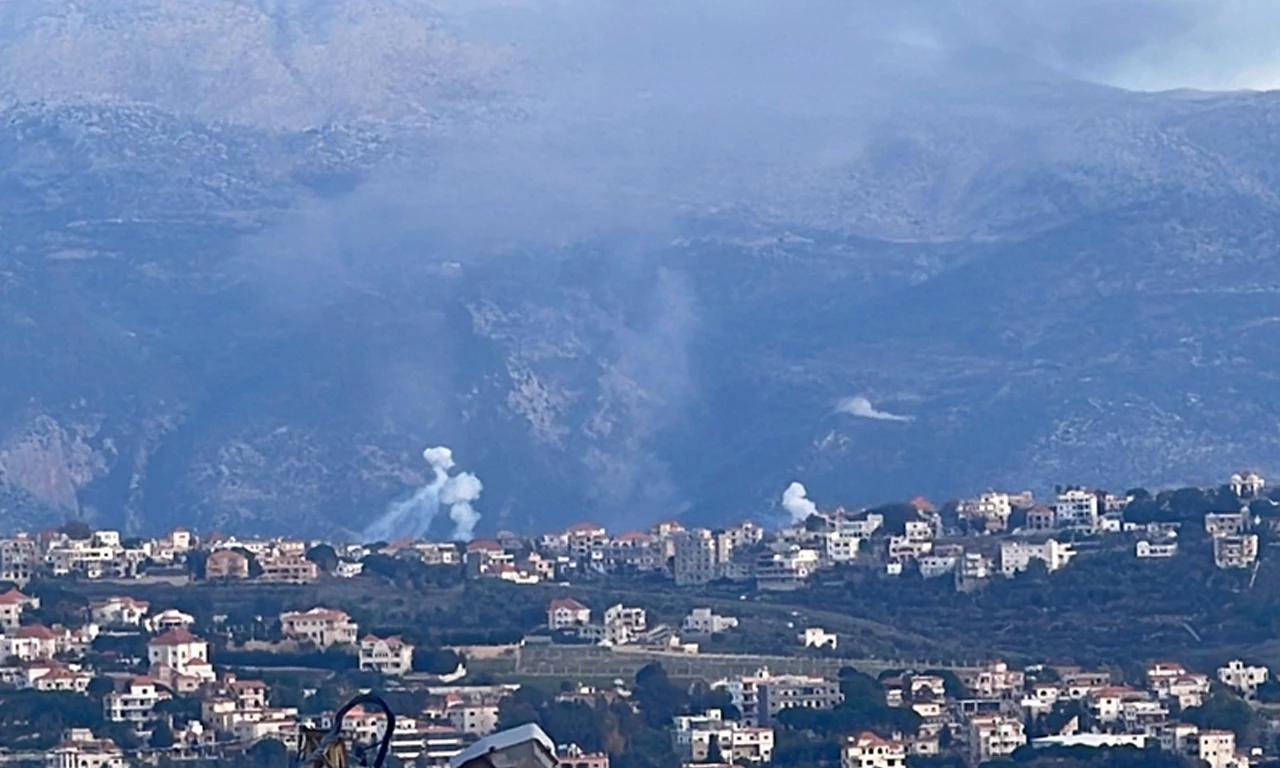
x=250 y=301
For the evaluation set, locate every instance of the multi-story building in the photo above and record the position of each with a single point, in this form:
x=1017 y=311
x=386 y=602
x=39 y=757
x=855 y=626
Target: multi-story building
x=476 y=718
x=322 y=627
x=226 y=564
x=989 y=512
x=1017 y=555
x=786 y=569
x=1235 y=551
x=86 y=753
x=573 y=756
x=19 y=558
x=1217 y=749
x=622 y=624
x=1156 y=549
x=32 y=642
x=176 y=649
x=841 y=546
x=1041 y=518
x=994 y=735
x=288 y=569
x=995 y=680
x=704 y=621
x=1076 y=508
x=118 y=611
x=699 y=555
x=12 y=605
x=760 y=697
x=867 y=750
x=567 y=613
x=1247 y=484
x=135 y=703
x=1226 y=523
x=1243 y=678
x=697 y=738
x=386 y=655
x=169 y=618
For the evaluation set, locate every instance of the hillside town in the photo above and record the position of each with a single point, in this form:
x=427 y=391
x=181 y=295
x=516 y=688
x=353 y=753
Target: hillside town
x=159 y=692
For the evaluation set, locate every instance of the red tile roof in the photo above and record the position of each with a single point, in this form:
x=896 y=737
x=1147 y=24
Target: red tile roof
x=36 y=631
x=13 y=597
x=568 y=603
x=483 y=545
x=584 y=528
x=175 y=636
x=632 y=536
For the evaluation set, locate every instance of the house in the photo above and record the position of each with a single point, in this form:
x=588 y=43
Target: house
x=696 y=738
x=1017 y=555
x=622 y=624
x=119 y=611
x=226 y=564
x=135 y=702
x=1076 y=508
x=817 y=637
x=1235 y=551
x=995 y=680
x=12 y=604
x=476 y=718
x=176 y=649
x=867 y=750
x=1217 y=749
x=1243 y=678
x=31 y=643
x=567 y=613
x=1041 y=518
x=989 y=512
x=1226 y=523
x=703 y=621
x=1156 y=549
x=572 y=756
x=760 y=697
x=1247 y=484
x=323 y=627
x=386 y=655
x=86 y=753
x=994 y=735
x=283 y=568
x=169 y=618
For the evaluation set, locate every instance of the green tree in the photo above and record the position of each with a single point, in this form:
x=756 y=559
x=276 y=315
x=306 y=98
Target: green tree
x=161 y=736
x=325 y=558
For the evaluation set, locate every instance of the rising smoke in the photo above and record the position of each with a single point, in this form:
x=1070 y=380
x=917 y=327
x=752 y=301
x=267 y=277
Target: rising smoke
x=412 y=517
x=862 y=408
x=796 y=501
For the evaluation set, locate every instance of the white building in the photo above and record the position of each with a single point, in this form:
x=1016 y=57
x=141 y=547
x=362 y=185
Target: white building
x=386 y=655
x=704 y=621
x=170 y=618
x=991 y=508
x=1017 y=555
x=323 y=627
x=842 y=546
x=567 y=613
x=817 y=637
x=135 y=702
x=1226 y=523
x=867 y=750
x=478 y=718
x=1235 y=551
x=1218 y=750
x=1247 y=484
x=1243 y=678
x=760 y=697
x=12 y=605
x=176 y=649
x=994 y=735
x=119 y=611
x=1156 y=549
x=694 y=735
x=1076 y=508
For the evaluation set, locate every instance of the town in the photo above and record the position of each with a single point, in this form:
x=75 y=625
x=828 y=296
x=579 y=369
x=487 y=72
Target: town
x=203 y=649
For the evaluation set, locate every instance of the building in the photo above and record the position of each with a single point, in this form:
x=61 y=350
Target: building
x=1243 y=678
x=989 y=512
x=995 y=680
x=119 y=611
x=226 y=564
x=1017 y=555
x=760 y=697
x=1247 y=484
x=567 y=613
x=19 y=558
x=134 y=703
x=704 y=621
x=288 y=569
x=1218 y=749
x=1235 y=551
x=87 y=753
x=867 y=750
x=994 y=735
x=698 y=738
x=176 y=649
x=322 y=627
x=817 y=637
x=698 y=557
x=32 y=642
x=1076 y=508
x=1156 y=549
x=622 y=624
x=1226 y=523
x=476 y=718
x=572 y=756
x=169 y=618
x=787 y=569
x=386 y=655
x=1041 y=518
x=12 y=605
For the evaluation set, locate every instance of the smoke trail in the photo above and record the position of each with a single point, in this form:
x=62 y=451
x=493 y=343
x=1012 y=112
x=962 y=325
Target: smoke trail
x=796 y=501
x=412 y=517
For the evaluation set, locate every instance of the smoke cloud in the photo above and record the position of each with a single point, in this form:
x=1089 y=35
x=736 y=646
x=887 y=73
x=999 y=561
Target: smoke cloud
x=412 y=517
x=862 y=408
x=796 y=501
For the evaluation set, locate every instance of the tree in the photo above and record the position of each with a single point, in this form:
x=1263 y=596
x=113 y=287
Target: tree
x=99 y=687
x=325 y=558
x=659 y=698
x=161 y=736
x=269 y=753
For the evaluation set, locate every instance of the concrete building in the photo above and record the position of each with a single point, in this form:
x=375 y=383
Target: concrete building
x=1226 y=523
x=817 y=637
x=760 y=697
x=1076 y=508
x=1017 y=555
x=386 y=655
x=994 y=735
x=867 y=750
x=1235 y=551
x=226 y=564
x=134 y=703
x=1218 y=749
x=176 y=649
x=1247 y=484
x=567 y=613
x=288 y=569
x=1156 y=549
x=694 y=735
x=699 y=556
x=323 y=627
x=12 y=605
x=119 y=611
x=1243 y=678
x=704 y=621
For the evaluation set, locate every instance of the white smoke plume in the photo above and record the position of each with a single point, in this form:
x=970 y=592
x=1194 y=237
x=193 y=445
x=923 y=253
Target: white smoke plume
x=862 y=408
x=412 y=517
x=796 y=501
